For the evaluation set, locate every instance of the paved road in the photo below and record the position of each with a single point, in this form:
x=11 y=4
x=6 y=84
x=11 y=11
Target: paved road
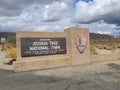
x=102 y=76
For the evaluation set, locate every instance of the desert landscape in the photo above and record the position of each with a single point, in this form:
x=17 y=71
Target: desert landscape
x=60 y=44
x=101 y=47
x=104 y=75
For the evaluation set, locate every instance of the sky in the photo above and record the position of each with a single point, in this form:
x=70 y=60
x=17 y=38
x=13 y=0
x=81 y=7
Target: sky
x=100 y=16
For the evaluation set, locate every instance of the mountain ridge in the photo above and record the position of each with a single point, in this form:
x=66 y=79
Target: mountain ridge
x=93 y=36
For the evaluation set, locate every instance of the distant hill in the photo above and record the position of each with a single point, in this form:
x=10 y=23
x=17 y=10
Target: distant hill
x=94 y=36
x=7 y=35
x=117 y=37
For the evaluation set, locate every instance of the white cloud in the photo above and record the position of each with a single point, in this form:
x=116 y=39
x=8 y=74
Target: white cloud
x=99 y=16
x=48 y=28
x=107 y=10
x=57 y=26
x=101 y=27
x=104 y=32
x=27 y=20
x=54 y=11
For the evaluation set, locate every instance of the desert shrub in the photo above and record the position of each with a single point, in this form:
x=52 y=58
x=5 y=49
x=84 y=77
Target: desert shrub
x=105 y=47
x=9 y=50
x=106 y=44
x=100 y=46
x=93 y=51
x=118 y=46
x=7 y=46
x=10 y=53
x=12 y=41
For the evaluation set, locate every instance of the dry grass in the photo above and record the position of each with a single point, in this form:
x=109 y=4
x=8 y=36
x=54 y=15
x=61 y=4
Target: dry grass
x=9 y=50
x=10 y=53
x=106 y=44
x=93 y=51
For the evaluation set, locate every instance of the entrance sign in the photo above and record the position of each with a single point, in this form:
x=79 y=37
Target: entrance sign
x=43 y=50
x=42 y=46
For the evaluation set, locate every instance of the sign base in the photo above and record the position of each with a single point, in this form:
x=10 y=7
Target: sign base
x=26 y=65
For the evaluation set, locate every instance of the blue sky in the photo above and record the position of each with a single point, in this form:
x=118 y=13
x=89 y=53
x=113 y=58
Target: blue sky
x=55 y=15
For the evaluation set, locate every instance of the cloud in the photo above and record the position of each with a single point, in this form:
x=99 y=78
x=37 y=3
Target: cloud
x=15 y=7
x=49 y=28
x=56 y=15
x=9 y=9
x=102 y=28
x=27 y=20
x=57 y=26
x=107 y=10
x=54 y=11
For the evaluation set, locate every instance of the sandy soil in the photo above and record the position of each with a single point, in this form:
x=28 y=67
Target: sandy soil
x=105 y=52
x=2 y=60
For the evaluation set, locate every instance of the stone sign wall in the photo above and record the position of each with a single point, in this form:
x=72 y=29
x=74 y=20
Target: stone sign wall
x=40 y=50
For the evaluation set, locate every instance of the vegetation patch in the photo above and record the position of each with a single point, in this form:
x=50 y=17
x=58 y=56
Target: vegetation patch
x=93 y=51
x=104 y=44
x=9 y=50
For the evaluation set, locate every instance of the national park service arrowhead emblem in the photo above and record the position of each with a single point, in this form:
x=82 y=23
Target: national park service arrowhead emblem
x=81 y=43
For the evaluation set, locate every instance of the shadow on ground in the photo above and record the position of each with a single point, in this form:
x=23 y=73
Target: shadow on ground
x=114 y=66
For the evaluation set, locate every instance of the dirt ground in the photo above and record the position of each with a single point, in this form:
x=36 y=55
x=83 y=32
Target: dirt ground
x=2 y=60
